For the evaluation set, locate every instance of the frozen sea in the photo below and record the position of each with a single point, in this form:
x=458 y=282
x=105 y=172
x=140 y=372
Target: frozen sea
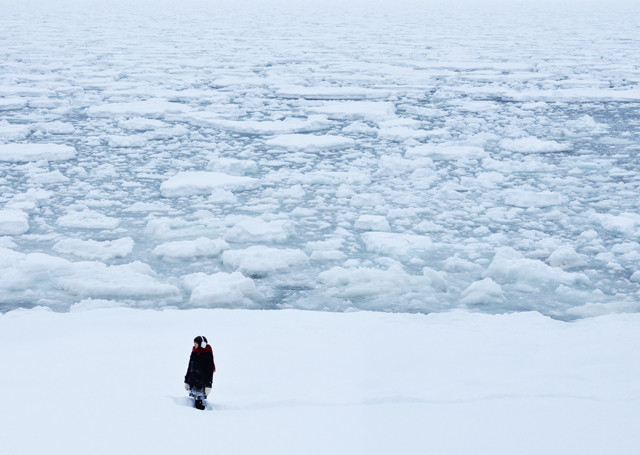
x=378 y=155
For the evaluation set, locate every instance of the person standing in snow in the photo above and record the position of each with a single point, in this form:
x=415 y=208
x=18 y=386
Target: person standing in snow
x=200 y=371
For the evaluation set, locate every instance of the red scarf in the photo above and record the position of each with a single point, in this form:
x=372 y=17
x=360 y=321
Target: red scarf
x=207 y=348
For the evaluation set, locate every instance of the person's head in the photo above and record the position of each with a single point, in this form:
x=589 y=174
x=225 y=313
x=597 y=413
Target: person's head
x=199 y=342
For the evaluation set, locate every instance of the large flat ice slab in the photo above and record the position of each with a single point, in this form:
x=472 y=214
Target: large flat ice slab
x=534 y=145
x=87 y=219
x=13 y=222
x=332 y=93
x=447 y=152
x=191 y=249
x=11 y=132
x=54 y=278
x=93 y=249
x=373 y=110
x=288 y=125
x=309 y=142
x=396 y=244
x=261 y=260
x=377 y=285
x=202 y=182
x=154 y=108
x=249 y=230
x=21 y=153
x=222 y=290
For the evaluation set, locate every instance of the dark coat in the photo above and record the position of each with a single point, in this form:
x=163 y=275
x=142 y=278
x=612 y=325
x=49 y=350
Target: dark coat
x=201 y=368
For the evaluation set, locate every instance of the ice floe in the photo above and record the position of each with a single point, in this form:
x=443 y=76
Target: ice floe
x=141 y=124
x=511 y=267
x=372 y=223
x=13 y=222
x=93 y=249
x=447 y=152
x=525 y=198
x=48 y=178
x=232 y=166
x=264 y=127
x=309 y=142
x=221 y=290
x=54 y=278
x=372 y=110
x=153 y=108
x=14 y=103
x=626 y=224
x=201 y=182
x=261 y=260
x=566 y=257
x=257 y=230
x=55 y=127
x=21 y=153
x=87 y=219
x=482 y=292
x=12 y=132
x=534 y=145
x=126 y=141
x=332 y=93
x=382 y=286
x=191 y=249
x=396 y=244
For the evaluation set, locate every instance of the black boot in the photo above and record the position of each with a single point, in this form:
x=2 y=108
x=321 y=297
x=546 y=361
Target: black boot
x=199 y=404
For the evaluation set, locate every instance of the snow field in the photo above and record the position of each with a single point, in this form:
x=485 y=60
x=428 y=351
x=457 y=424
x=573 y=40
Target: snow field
x=110 y=381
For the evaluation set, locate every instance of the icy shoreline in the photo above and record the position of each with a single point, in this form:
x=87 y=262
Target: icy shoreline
x=289 y=382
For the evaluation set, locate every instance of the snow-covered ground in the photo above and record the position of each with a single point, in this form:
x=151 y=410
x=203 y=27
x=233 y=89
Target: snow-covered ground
x=380 y=155
x=300 y=382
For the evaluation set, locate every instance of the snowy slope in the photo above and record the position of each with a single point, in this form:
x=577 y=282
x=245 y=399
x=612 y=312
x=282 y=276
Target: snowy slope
x=289 y=382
